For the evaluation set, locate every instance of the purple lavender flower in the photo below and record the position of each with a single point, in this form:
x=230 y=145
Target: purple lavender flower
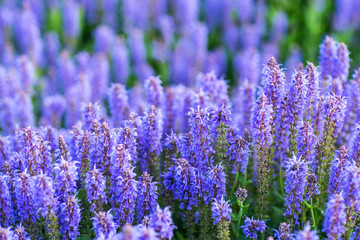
x=252 y=226
x=215 y=89
x=120 y=160
x=69 y=218
x=25 y=110
x=66 y=70
x=128 y=137
x=273 y=84
x=241 y=194
x=238 y=152
x=52 y=46
x=124 y=190
x=71 y=19
x=338 y=171
x=90 y=113
x=7 y=115
x=20 y=233
x=307 y=233
x=43 y=194
x=335 y=217
x=25 y=199
x=150 y=141
x=355 y=150
x=6 y=206
x=327 y=58
x=154 y=92
x=147 y=196
x=26 y=73
x=200 y=148
x=220 y=210
x=284 y=232
x=296 y=172
x=144 y=232
x=120 y=61
x=162 y=223
x=66 y=177
x=215 y=183
x=104 y=225
x=306 y=141
x=261 y=135
x=95 y=184
x=312 y=187
x=351 y=188
x=181 y=180
x=137 y=46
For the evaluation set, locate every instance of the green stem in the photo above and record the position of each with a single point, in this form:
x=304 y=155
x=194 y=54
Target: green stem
x=312 y=213
x=281 y=181
x=234 y=185
x=239 y=221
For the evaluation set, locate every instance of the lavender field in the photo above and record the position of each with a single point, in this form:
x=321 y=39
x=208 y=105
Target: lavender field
x=179 y=119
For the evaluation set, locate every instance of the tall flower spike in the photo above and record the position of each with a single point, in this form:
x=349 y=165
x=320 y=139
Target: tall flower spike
x=54 y=107
x=69 y=218
x=238 y=153
x=221 y=211
x=252 y=226
x=104 y=225
x=6 y=206
x=66 y=177
x=150 y=141
x=306 y=141
x=100 y=77
x=71 y=16
x=296 y=172
x=25 y=197
x=154 y=92
x=181 y=180
x=351 y=189
x=128 y=137
x=124 y=193
x=307 y=233
x=355 y=150
x=327 y=58
x=147 y=196
x=261 y=135
x=162 y=223
x=338 y=171
x=215 y=89
x=273 y=83
x=200 y=147
x=95 y=184
x=118 y=101
x=313 y=91
x=44 y=194
x=335 y=217
x=215 y=183
x=6 y=233
x=90 y=113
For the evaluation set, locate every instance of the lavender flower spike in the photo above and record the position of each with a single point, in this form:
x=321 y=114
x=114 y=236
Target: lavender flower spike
x=335 y=217
x=104 y=226
x=307 y=234
x=296 y=172
x=95 y=184
x=221 y=211
x=162 y=223
x=252 y=226
x=6 y=208
x=70 y=218
x=147 y=196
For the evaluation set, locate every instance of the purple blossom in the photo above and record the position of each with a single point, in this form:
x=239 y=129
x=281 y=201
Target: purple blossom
x=238 y=152
x=70 y=218
x=355 y=150
x=181 y=180
x=128 y=137
x=200 y=138
x=296 y=172
x=146 y=197
x=248 y=65
x=6 y=233
x=306 y=141
x=66 y=177
x=215 y=89
x=43 y=194
x=104 y=225
x=252 y=226
x=334 y=111
x=220 y=210
x=284 y=232
x=104 y=39
x=124 y=193
x=215 y=183
x=6 y=205
x=154 y=92
x=162 y=223
x=335 y=217
x=95 y=184
x=54 y=107
x=338 y=171
x=90 y=113
x=307 y=233
x=25 y=198
x=100 y=78
x=351 y=188
x=241 y=194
